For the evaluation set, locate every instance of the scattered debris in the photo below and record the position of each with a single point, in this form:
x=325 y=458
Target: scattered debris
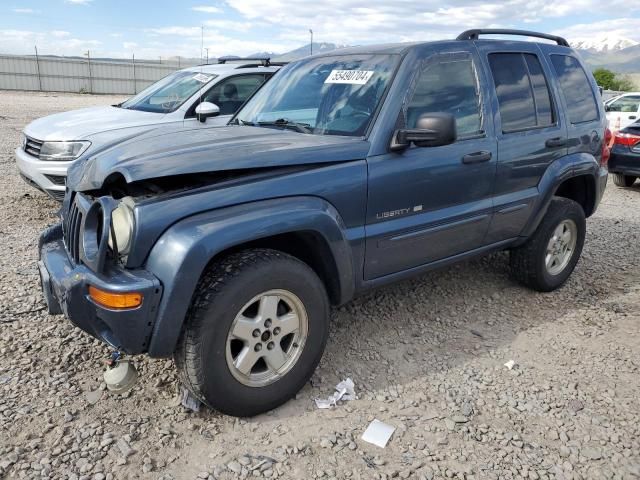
x=378 y=433
x=189 y=401
x=93 y=396
x=345 y=390
x=476 y=333
x=510 y=364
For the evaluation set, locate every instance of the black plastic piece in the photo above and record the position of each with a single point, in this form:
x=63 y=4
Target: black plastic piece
x=475 y=34
x=266 y=61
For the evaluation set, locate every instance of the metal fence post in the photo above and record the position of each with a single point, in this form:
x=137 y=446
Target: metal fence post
x=38 y=68
x=90 y=76
x=133 y=62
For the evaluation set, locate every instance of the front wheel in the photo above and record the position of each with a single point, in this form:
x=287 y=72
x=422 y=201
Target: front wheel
x=623 y=180
x=546 y=260
x=255 y=332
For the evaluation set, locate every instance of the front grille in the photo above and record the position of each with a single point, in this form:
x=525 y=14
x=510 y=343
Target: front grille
x=57 y=179
x=56 y=194
x=71 y=231
x=33 y=146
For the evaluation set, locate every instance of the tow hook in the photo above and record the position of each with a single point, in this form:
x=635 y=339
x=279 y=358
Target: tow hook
x=121 y=374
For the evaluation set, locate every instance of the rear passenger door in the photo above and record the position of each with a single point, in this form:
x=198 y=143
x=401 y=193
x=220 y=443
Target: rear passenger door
x=531 y=134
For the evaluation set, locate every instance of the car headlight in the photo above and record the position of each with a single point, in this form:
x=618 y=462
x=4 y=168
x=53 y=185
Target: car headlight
x=122 y=222
x=63 y=151
x=23 y=141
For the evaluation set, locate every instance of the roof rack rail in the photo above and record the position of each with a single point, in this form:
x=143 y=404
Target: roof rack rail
x=475 y=34
x=266 y=61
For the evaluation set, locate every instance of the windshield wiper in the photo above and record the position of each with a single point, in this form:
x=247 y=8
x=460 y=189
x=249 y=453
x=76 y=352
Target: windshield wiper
x=286 y=123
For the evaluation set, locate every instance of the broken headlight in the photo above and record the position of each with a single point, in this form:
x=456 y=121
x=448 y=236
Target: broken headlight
x=122 y=222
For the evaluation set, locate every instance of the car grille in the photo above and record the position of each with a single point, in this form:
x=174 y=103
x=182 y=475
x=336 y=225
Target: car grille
x=57 y=180
x=33 y=146
x=71 y=231
x=56 y=194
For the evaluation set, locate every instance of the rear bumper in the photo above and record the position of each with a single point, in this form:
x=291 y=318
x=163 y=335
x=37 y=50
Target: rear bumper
x=65 y=288
x=624 y=161
x=42 y=174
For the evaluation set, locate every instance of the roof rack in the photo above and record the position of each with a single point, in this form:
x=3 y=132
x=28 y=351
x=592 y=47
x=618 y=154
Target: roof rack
x=265 y=61
x=475 y=34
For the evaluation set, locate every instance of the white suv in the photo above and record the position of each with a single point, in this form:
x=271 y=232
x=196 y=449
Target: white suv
x=623 y=110
x=202 y=96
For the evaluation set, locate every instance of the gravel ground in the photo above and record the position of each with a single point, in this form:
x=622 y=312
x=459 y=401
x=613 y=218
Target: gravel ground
x=426 y=356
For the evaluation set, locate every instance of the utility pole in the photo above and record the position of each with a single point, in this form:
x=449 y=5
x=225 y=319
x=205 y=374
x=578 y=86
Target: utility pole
x=88 y=54
x=38 y=67
x=201 y=43
x=207 y=49
x=160 y=60
x=311 y=44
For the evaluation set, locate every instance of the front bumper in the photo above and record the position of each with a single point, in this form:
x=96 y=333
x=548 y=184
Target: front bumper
x=65 y=287
x=48 y=176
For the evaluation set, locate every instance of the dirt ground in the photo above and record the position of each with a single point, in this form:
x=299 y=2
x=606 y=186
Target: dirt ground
x=427 y=357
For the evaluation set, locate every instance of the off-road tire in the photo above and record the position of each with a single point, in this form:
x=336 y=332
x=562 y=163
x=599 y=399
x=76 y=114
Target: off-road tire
x=223 y=289
x=527 y=262
x=624 y=181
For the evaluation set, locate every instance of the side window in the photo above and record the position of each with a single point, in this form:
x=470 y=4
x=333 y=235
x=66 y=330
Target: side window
x=231 y=93
x=627 y=104
x=522 y=90
x=448 y=86
x=581 y=104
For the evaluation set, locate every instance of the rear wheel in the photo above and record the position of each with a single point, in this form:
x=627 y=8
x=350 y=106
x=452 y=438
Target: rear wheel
x=254 y=333
x=545 y=262
x=623 y=180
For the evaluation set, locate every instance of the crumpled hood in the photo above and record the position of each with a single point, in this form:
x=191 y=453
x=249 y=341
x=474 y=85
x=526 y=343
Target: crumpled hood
x=168 y=151
x=81 y=124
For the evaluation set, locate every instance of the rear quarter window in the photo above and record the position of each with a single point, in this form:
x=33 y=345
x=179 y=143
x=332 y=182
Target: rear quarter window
x=576 y=88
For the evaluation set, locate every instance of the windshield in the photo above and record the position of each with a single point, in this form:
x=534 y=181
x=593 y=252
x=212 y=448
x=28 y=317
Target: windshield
x=334 y=95
x=168 y=94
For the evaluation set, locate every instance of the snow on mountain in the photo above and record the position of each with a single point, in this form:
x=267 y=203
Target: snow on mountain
x=603 y=43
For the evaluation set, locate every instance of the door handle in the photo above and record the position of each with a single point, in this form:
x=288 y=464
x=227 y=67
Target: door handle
x=476 y=157
x=556 y=142
x=632 y=117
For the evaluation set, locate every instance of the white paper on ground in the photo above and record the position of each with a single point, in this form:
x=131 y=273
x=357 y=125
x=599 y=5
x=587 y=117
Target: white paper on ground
x=510 y=364
x=345 y=390
x=378 y=433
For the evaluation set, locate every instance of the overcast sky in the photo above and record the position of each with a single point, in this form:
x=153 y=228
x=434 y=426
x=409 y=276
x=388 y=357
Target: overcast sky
x=152 y=28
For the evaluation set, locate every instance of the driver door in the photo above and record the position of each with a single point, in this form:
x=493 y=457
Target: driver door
x=427 y=204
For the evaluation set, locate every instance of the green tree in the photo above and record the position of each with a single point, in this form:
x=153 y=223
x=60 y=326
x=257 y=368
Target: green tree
x=612 y=81
x=605 y=78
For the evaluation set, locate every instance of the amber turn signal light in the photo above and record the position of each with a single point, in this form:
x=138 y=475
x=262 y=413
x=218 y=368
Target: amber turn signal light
x=117 y=301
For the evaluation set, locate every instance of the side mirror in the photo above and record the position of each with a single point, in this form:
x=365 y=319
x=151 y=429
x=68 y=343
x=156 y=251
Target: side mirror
x=432 y=130
x=607 y=108
x=206 y=110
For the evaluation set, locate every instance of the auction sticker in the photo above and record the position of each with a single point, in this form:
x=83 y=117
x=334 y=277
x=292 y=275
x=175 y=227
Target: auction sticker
x=352 y=77
x=202 y=78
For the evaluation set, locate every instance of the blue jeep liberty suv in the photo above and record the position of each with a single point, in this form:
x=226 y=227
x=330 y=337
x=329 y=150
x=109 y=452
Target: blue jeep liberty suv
x=226 y=247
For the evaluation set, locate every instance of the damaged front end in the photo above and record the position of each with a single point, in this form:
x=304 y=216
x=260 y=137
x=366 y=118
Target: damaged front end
x=83 y=277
